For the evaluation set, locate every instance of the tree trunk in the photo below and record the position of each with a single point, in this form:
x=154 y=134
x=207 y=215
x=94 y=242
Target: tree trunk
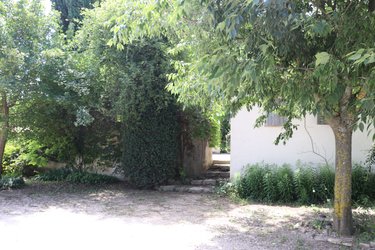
x=342 y=216
x=4 y=128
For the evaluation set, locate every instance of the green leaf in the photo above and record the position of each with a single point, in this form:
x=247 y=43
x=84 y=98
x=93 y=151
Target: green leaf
x=322 y=58
x=361 y=127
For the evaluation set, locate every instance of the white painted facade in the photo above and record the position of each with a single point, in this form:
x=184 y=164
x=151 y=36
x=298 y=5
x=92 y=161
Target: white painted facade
x=251 y=145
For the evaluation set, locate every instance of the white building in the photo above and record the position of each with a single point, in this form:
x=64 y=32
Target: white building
x=251 y=145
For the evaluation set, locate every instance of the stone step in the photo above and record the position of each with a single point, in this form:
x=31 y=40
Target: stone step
x=222 y=167
x=204 y=182
x=214 y=162
x=187 y=189
x=214 y=174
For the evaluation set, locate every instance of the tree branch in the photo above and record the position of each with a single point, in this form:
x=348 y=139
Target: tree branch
x=312 y=143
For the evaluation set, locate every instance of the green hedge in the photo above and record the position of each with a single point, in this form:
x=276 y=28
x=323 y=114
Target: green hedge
x=150 y=119
x=151 y=149
x=75 y=176
x=10 y=182
x=305 y=185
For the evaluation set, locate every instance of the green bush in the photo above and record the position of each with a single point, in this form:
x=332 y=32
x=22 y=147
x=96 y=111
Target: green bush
x=285 y=189
x=306 y=185
x=150 y=116
x=59 y=174
x=267 y=183
x=75 y=176
x=250 y=184
x=7 y=182
x=151 y=149
x=23 y=158
x=90 y=178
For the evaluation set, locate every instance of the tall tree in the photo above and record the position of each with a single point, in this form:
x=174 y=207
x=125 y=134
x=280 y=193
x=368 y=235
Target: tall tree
x=26 y=33
x=287 y=56
x=70 y=10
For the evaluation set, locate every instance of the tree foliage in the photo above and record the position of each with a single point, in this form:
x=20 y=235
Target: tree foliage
x=70 y=11
x=27 y=36
x=288 y=57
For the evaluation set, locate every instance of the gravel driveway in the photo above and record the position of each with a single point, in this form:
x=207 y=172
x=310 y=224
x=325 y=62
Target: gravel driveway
x=62 y=216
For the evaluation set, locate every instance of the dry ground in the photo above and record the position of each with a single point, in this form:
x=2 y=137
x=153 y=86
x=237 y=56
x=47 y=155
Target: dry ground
x=63 y=216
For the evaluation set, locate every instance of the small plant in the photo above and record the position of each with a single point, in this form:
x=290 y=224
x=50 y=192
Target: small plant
x=75 y=176
x=59 y=174
x=90 y=178
x=250 y=184
x=306 y=185
x=227 y=188
x=364 y=224
x=9 y=182
x=370 y=160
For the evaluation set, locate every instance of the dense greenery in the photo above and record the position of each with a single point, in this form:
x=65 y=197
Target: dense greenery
x=288 y=57
x=76 y=176
x=151 y=129
x=10 y=182
x=71 y=11
x=306 y=185
x=27 y=36
x=24 y=158
x=99 y=92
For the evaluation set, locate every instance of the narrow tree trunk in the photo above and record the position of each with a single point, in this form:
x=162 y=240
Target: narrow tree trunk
x=4 y=128
x=342 y=216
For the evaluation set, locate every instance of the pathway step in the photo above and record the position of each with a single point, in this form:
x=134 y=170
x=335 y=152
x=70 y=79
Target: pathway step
x=204 y=182
x=187 y=189
x=214 y=174
x=222 y=167
x=220 y=162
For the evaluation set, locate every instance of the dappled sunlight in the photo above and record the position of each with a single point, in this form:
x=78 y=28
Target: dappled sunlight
x=57 y=228
x=118 y=218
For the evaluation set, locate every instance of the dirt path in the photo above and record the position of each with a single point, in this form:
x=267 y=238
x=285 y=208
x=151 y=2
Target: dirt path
x=46 y=216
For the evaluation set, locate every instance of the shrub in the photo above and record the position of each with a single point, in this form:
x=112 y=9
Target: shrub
x=23 y=158
x=151 y=149
x=304 y=178
x=59 y=174
x=90 y=178
x=324 y=184
x=7 y=182
x=250 y=184
x=306 y=185
x=75 y=176
x=285 y=189
x=267 y=183
x=150 y=117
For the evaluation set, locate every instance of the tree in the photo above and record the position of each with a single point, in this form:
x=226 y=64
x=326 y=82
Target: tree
x=299 y=57
x=289 y=57
x=70 y=10
x=26 y=33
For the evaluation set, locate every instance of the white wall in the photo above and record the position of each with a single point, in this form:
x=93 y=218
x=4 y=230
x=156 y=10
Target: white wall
x=252 y=145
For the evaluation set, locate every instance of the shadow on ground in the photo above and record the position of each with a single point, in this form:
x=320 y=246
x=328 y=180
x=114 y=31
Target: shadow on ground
x=64 y=216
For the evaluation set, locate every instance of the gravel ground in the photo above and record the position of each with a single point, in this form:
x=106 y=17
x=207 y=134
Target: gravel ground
x=62 y=216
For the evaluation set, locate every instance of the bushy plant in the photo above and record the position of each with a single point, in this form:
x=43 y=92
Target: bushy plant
x=75 y=176
x=150 y=116
x=90 y=178
x=59 y=174
x=284 y=177
x=269 y=183
x=7 y=182
x=23 y=158
x=363 y=182
x=305 y=185
x=370 y=160
x=324 y=184
x=250 y=184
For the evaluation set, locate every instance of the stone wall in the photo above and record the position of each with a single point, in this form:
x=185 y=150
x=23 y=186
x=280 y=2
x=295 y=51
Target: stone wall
x=197 y=159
